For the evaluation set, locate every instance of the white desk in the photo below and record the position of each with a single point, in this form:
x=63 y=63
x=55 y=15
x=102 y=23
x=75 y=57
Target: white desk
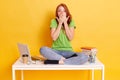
x=39 y=66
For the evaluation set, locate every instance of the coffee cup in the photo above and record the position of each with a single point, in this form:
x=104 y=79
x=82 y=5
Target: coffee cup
x=25 y=58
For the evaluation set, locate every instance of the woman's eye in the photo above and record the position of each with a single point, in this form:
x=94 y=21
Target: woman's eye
x=59 y=10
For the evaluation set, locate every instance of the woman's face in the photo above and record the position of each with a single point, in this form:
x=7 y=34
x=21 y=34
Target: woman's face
x=61 y=11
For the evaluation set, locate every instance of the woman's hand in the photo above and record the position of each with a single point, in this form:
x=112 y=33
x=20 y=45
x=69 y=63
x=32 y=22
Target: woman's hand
x=66 y=19
x=62 y=18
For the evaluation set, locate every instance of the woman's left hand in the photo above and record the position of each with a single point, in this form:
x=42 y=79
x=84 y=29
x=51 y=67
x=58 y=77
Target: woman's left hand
x=66 y=19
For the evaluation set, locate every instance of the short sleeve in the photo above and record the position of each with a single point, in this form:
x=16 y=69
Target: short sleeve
x=53 y=23
x=72 y=24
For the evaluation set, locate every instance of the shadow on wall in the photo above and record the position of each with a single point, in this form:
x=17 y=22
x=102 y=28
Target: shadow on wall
x=44 y=32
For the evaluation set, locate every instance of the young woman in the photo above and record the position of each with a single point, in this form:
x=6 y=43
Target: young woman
x=62 y=32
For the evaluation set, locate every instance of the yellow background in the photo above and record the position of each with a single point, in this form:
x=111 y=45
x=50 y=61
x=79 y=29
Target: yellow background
x=27 y=21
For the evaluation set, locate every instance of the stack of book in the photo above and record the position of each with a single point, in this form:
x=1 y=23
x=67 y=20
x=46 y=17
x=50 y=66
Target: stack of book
x=91 y=51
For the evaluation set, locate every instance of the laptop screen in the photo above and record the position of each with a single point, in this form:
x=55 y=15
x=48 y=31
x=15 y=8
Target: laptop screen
x=23 y=49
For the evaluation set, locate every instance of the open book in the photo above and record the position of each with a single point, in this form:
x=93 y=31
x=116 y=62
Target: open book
x=34 y=58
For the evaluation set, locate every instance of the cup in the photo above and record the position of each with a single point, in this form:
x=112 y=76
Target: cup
x=25 y=58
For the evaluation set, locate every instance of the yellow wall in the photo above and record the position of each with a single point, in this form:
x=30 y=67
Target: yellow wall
x=27 y=21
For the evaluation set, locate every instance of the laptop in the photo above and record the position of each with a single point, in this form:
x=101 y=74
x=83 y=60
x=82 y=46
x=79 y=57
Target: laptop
x=23 y=49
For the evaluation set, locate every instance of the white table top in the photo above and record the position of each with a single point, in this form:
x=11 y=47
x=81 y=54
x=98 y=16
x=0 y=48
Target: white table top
x=18 y=65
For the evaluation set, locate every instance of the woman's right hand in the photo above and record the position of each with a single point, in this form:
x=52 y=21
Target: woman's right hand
x=61 y=18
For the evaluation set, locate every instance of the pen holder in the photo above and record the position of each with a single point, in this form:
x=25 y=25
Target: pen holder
x=92 y=56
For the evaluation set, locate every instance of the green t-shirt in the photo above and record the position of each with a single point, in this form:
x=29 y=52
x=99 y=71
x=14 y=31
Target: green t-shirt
x=62 y=42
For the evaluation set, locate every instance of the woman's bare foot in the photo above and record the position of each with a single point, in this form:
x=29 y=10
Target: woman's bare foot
x=61 y=61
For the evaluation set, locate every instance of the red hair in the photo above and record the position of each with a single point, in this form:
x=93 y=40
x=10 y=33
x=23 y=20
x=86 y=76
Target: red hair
x=66 y=10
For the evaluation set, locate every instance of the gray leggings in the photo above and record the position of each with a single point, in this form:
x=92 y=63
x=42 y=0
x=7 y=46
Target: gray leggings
x=52 y=54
